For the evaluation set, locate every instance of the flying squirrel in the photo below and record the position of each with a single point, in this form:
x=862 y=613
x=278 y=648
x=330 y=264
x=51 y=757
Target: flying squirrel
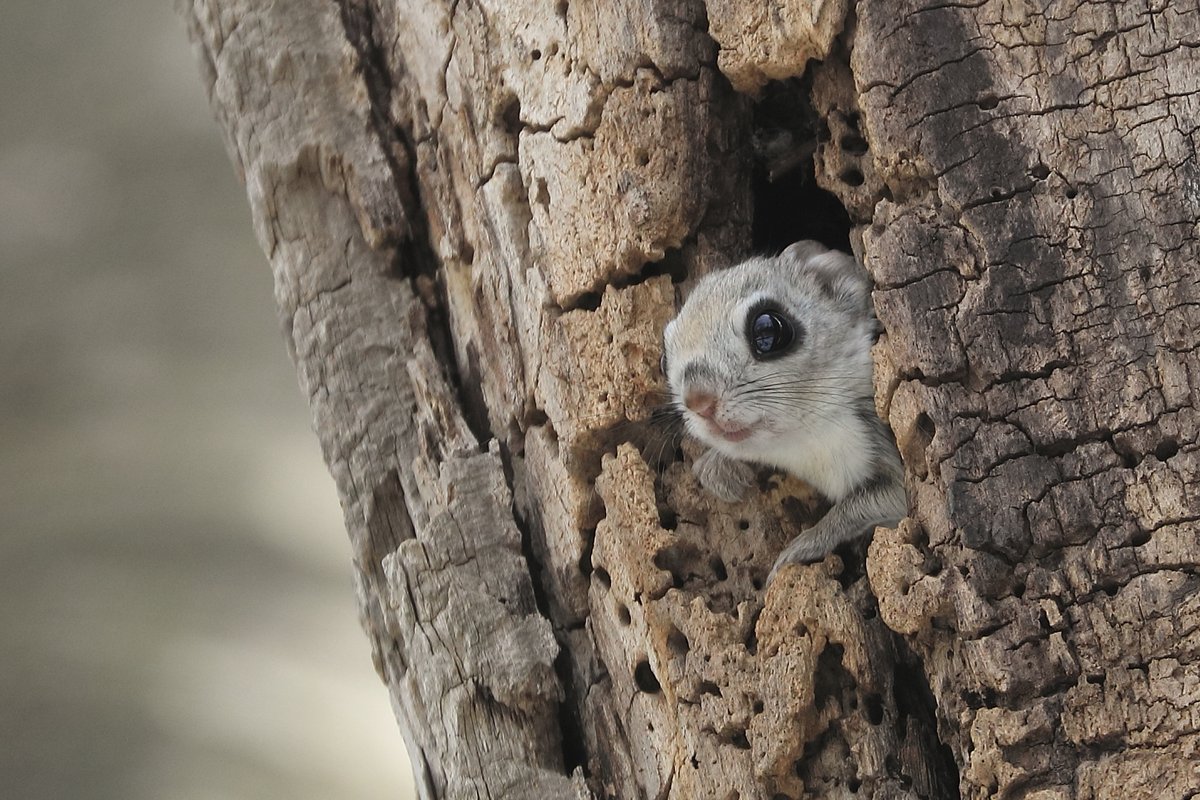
x=769 y=363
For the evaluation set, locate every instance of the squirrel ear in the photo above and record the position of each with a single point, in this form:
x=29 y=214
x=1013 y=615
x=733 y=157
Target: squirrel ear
x=803 y=250
x=841 y=277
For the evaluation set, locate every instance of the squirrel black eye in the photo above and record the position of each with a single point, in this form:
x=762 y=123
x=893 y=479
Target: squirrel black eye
x=770 y=334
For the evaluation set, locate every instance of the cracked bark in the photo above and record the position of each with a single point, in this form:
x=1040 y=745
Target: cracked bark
x=479 y=216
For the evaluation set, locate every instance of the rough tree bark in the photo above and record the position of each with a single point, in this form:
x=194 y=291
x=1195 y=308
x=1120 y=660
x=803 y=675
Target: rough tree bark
x=479 y=216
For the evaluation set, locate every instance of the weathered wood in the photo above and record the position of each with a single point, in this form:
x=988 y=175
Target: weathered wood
x=479 y=217
x=444 y=587
x=1035 y=253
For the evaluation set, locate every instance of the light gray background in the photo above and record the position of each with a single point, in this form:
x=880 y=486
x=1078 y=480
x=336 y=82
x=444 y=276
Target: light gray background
x=176 y=605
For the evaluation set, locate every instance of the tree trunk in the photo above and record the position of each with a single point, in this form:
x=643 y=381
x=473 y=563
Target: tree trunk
x=481 y=214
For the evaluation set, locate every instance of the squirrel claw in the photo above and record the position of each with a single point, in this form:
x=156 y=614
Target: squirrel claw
x=801 y=550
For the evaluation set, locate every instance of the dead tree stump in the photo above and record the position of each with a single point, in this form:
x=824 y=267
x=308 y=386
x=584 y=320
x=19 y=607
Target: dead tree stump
x=480 y=215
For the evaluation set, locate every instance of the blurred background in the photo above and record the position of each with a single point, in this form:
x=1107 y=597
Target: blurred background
x=177 y=615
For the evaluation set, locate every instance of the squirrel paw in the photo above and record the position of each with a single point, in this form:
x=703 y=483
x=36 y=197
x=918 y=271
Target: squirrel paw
x=723 y=477
x=803 y=549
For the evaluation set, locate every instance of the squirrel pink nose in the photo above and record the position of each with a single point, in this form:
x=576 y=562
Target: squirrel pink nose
x=701 y=403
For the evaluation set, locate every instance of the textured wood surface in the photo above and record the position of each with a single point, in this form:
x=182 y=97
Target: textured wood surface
x=1036 y=272
x=479 y=217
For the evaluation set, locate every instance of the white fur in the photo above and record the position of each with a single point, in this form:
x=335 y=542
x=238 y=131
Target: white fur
x=807 y=411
